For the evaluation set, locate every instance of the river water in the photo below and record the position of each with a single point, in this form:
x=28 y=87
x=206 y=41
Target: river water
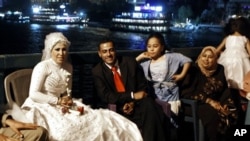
x=25 y=38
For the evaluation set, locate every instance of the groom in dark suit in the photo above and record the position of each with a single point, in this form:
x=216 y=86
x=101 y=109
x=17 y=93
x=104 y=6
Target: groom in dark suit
x=132 y=101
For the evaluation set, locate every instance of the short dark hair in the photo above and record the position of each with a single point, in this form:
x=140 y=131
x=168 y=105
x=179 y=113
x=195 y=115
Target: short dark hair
x=105 y=40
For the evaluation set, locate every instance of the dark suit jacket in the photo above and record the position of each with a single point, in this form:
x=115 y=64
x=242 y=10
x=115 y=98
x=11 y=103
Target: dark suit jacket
x=147 y=115
x=132 y=77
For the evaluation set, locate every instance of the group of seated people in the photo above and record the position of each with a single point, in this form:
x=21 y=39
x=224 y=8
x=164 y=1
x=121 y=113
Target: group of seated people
x=172 y=76
x=133 y=85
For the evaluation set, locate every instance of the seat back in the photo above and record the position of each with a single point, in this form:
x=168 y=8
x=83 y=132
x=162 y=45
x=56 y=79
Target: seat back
x=16 y=86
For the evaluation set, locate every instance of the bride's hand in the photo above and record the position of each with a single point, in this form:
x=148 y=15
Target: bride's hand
x=65 y=101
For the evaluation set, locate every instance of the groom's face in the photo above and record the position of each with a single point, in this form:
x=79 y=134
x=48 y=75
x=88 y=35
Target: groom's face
x=107 y=53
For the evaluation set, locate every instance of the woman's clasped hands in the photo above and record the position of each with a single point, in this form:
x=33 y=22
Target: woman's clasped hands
x=216 y=105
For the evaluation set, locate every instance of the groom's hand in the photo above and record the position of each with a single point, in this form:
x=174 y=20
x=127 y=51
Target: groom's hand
x=128 y=108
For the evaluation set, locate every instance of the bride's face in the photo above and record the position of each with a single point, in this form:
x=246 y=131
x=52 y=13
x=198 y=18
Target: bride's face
x=59 y=52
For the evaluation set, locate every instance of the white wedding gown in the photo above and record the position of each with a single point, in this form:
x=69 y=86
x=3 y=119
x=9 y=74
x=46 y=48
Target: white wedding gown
x=47 y=82
x=93 y=125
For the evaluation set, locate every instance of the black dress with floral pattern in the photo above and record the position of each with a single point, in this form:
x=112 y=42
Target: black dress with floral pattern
x=199 y=87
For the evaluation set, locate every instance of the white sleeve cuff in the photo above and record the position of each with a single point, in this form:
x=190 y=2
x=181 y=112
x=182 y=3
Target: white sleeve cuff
x=132 y=95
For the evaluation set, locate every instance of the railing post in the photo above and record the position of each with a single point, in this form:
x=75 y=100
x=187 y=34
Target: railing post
x=2 y=75
x=2 y=93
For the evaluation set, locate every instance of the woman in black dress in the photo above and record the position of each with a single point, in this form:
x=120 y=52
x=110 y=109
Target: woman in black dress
x=206 y=83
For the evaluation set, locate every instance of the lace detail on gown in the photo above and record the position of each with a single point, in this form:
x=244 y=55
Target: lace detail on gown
x=93 y=125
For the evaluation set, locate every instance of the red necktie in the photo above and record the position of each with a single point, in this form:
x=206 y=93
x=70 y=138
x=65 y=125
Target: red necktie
x=117 y=79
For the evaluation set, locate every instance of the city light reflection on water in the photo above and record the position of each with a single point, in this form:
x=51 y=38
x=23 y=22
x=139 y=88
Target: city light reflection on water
x=29 y=38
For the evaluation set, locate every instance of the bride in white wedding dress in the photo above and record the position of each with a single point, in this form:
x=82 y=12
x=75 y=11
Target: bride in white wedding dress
x=49 y=100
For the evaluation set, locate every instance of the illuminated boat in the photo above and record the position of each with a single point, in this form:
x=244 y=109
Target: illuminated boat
x=44 y=15
x=14 y=17
x=143 y=19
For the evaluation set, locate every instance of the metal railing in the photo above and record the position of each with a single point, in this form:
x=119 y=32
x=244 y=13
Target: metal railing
x=82 y=64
